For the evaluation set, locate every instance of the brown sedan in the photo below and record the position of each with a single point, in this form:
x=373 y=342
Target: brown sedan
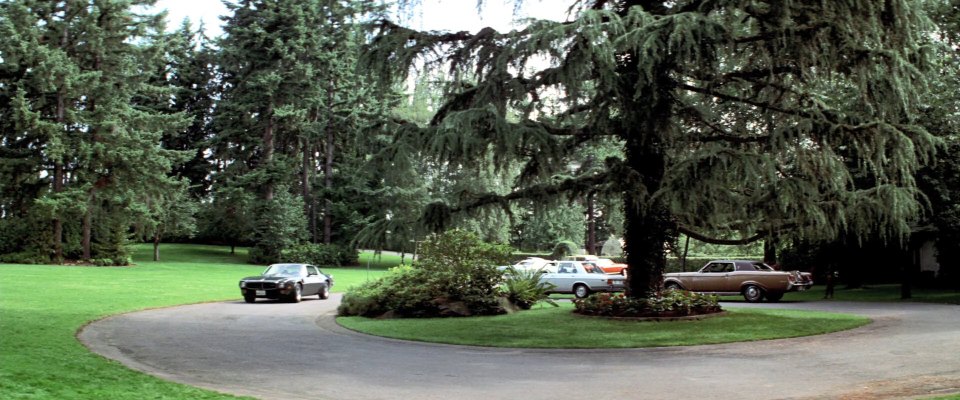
x=752 y=279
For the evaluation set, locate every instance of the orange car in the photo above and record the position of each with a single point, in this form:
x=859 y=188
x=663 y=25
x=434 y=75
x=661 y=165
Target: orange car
x=606 y=264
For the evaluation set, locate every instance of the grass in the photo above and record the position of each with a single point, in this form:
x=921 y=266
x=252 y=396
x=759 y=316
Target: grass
x=870 y=293
x=42 y=307
x=558 y=327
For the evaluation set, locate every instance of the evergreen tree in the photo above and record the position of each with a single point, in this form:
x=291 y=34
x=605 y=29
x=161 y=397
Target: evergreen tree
x=737 y=116
x=77 y=70
x=293 y=105
x=189 y=68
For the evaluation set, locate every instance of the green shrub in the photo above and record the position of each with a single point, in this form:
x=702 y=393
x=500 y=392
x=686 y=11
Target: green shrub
x=671 y=303
x=24 y=257
x=563 y=249
x=312 y=253
x=456 y=275
x=524 y=288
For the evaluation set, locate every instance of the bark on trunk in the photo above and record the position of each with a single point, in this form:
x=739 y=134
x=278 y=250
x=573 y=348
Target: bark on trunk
x=647 y=222
x=87 y=226
x=770 y=252
x=309 y=208
x=57 y=221
x=58 y=165
x=156 y=246
x=328 y=186
x=591 y=225
x=268 y=148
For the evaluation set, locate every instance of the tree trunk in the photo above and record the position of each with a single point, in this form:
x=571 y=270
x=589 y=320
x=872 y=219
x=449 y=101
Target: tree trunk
x=309 y=208
x=591 y=225
x=57 y=221
x=328 y=185
x=87 y=225
x=770 y=252
x=156 y=245
x=58 y=163
x=906 y=274
x=686 y=250
x=647 y=222
x=268 y=148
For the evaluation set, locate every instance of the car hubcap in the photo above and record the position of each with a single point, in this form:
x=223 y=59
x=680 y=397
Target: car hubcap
x=752 y=292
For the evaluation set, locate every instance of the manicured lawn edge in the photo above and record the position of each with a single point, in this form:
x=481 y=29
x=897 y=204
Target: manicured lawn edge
x=561 y=329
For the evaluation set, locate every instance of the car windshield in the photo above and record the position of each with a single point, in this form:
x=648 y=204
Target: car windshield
x=282 y=270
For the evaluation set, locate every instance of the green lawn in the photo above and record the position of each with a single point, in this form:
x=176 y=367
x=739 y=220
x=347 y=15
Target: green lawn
x=870 y=293
x=558 y=327
x=42 y=307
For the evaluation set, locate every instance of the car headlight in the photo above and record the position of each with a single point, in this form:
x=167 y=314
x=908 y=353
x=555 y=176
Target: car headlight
x=243 y=284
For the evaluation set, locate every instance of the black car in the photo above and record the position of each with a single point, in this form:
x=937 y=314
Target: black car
x=287 y=282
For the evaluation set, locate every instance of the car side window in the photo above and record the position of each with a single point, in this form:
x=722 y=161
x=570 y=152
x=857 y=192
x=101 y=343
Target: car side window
x=311 y=270
x=714 y=267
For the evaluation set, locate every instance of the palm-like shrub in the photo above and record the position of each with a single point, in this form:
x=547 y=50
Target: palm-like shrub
x=524 y=288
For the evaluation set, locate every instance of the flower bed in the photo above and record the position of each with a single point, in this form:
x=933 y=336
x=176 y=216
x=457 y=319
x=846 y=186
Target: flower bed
x=669 y=304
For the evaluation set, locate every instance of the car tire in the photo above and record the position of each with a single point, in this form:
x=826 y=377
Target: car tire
x=752 y=293
x=297 y=294
x=774 y=297
x=324 y=292
x=672 y=286
x=249 y=299
x=580 y=291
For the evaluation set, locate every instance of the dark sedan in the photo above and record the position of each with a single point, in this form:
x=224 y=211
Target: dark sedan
x=288 y=282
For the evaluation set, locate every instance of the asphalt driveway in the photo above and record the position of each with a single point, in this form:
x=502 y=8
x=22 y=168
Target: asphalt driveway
x=296 y=351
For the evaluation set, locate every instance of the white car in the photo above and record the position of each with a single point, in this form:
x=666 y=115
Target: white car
x=582 y=278
x=536 y=264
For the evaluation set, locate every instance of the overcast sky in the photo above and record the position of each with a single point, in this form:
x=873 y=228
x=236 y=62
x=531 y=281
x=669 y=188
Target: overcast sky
x=452 y=15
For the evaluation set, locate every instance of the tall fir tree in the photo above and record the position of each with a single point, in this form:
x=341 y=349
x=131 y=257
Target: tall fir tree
x=82 y=66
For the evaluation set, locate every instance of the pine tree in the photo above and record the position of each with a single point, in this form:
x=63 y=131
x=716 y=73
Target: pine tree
x=293 y=107
x=82 y=68
x=738 y=117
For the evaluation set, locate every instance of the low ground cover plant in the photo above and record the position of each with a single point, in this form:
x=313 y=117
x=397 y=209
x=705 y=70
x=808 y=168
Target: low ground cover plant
x=669 y=303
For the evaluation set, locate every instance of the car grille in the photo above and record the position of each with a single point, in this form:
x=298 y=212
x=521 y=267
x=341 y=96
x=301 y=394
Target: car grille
x=261 y=285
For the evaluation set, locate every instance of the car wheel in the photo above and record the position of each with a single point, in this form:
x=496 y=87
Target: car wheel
x=580 y=291
x=774 y=297
x=324 y=292
x=752 y=293
x=249 y=299
x=297 y=294
x=672 y=286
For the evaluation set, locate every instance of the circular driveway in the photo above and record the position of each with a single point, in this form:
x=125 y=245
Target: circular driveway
x=296 y=351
